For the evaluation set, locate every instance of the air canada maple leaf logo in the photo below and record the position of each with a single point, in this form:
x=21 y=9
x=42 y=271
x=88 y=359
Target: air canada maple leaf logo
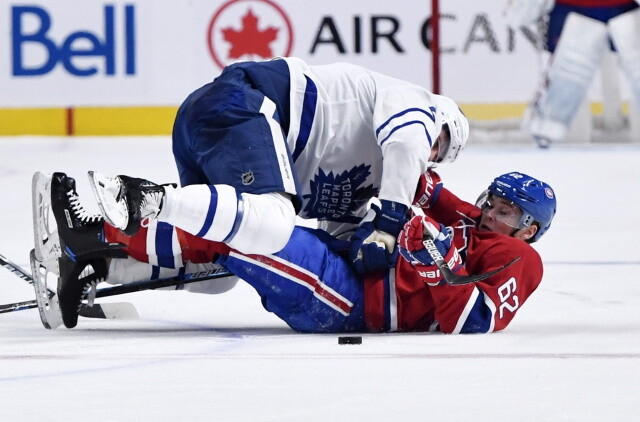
x=249 y=30
x=250 y=39
x=336 y=197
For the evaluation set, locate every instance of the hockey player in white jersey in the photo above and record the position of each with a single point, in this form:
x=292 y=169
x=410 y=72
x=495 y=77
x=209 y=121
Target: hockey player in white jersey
x=266 y=141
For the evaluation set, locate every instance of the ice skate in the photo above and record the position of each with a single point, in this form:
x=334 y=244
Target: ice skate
x=542 y=142
x=126 y=201
x=73 y=249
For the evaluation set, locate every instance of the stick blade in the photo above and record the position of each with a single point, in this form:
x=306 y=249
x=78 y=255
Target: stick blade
x=459 y=280
x=120 y=310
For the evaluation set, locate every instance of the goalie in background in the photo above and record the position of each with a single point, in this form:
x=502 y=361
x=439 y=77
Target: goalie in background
x=314 y=289
x=578 y=34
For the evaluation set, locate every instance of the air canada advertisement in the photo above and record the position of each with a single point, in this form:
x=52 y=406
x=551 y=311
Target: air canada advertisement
x=154 y=52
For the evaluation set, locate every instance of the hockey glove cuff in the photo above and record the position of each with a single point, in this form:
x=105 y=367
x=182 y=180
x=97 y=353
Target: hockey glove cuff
x=429 y=187
x=373 y=245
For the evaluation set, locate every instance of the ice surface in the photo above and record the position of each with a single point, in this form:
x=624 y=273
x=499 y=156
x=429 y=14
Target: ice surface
x=571 y=354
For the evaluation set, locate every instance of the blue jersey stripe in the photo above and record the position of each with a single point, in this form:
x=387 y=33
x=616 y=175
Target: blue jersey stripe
x=430 y=115
x=480 y=317
x=238 y=219
x=211 y=212
x=407 y=124
x=306 y=117
x=164 y=245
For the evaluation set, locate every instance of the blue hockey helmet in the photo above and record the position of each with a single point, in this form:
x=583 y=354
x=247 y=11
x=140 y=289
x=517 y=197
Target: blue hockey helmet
x=535 y=198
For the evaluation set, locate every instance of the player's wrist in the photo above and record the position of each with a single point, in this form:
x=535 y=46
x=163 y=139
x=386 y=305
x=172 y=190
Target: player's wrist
x=390 y=217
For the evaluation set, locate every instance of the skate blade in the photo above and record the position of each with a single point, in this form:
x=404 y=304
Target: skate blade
x=107 y=191
x=45 y=233
x=48 y=306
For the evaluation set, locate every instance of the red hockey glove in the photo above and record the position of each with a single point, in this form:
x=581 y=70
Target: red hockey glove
x=429 y=186
x=412 y=248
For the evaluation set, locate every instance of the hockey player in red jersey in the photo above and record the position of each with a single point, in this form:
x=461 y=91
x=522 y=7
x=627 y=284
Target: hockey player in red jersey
x=310 y=286
x=514 y=211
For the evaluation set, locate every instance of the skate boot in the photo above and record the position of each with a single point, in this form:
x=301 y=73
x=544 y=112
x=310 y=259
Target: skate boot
x=126 y=202
x=75 y=250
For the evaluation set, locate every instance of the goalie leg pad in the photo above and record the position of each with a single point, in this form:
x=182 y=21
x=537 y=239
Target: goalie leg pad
x=575 y=62
x=625 y=34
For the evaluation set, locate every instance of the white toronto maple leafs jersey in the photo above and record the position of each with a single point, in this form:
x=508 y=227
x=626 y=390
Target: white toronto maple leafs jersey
x=355 y=134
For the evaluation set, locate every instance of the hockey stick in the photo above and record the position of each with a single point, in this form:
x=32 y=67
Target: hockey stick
x=133 y=287
x=105 y=311
x=449 y=276
x=18 y=306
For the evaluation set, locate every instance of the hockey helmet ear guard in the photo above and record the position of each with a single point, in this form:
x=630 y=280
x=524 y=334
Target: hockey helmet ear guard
x=452 y=120
x=534 y=197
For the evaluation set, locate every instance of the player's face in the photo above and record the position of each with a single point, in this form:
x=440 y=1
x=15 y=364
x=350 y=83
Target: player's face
x=440 y=146
x=500 y=215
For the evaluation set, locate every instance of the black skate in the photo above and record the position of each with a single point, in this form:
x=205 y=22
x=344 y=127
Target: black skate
x=74 y=250
x=126 y=201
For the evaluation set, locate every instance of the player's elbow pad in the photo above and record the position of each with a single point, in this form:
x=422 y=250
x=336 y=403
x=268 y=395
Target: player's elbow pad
x=266 y=224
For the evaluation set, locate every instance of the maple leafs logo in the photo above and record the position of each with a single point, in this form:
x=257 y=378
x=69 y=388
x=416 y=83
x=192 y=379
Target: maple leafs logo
x=336 y=197
x=250 y=40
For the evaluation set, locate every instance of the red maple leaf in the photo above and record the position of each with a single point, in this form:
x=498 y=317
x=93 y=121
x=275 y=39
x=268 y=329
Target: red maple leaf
x=250 y=39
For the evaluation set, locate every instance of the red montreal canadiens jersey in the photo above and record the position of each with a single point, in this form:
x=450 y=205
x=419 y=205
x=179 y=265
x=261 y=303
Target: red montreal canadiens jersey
x=400 y=300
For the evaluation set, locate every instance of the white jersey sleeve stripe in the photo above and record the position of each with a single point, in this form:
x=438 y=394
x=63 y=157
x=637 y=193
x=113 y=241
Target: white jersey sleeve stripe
x=151 y=242
x=393 y=302
x=466 y=311
x=268 y=109
x=478 y=315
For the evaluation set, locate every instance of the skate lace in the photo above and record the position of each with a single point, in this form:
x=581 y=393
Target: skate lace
x=150 y=206
x=79 y=211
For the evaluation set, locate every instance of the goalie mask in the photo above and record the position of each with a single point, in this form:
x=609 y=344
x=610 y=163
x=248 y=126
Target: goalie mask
x=535 y=198
x=455 y=124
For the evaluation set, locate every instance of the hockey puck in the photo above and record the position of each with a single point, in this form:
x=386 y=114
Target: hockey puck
x=350 y=340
